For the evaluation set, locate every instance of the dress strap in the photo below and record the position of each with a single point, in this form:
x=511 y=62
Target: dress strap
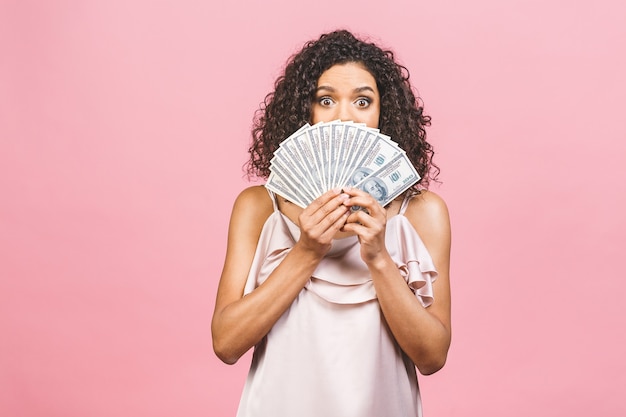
x=405 y=203
x=273 y=198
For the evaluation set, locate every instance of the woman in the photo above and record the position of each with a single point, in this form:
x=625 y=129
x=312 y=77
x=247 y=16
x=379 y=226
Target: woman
x=341 y=306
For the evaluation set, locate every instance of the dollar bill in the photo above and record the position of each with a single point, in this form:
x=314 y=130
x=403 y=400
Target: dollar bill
x=291 y=176
x=289 y=164
x=325 y=131
x=329 y=155
x=391 y=180
x=363 y=140
x=276 y=185
x=318 y=150
x=375 y=156
x=336 y=138
x=301 y=157
x=349 y=154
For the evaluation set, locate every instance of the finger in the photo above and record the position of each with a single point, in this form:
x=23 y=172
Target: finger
x=325 y=205
x=358 y=195
x=325 y=217
x=366 y=204
x=353 y=192
x=335 y=226
x=323 y=199
x=331 y=218
x=364 y=219
x=355 y=227
x=367 y=233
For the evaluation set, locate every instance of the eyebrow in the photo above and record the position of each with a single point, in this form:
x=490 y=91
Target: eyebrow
x=356 y=90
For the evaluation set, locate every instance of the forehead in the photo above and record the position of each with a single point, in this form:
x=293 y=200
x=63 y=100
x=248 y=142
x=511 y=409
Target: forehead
x=350 y=73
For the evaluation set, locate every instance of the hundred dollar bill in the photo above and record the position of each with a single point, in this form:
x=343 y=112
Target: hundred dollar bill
x=300 y=131
x=290 y=176
x=276 y=185
x=326 y=145
x=283 y=145
x=318 y=149
x=391 y=180
x=363 y=141
x=346 y=155
x=337 y=130
x=344 y=136
x=317 y=158
x=302 y=147
x=288 y=163
x=375 y=156
x=302 y=161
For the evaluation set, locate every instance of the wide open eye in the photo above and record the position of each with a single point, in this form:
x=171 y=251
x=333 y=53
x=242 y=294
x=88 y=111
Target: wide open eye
x=363 y=102
x=325 y=101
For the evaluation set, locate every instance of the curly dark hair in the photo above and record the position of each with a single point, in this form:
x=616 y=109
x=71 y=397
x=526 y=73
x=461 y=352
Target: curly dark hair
x=289 y=106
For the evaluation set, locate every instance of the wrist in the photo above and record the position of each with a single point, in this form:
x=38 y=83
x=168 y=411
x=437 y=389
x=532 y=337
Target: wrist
x=306 y=254
x=380 y=263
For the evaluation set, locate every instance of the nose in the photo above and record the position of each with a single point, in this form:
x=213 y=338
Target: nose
x=344 y=112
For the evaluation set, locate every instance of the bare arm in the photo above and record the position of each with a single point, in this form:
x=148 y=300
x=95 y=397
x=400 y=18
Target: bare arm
x=423 y=333
x=241 y=322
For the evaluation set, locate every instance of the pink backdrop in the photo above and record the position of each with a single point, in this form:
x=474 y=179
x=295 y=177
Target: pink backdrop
x=123 y=128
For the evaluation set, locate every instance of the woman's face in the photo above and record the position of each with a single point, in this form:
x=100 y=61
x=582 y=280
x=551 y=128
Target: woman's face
x=346 y=92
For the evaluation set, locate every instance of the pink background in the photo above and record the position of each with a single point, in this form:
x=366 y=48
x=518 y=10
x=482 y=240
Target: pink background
x=123 y=128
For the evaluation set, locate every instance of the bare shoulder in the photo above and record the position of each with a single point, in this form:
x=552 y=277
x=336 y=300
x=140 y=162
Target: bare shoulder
x=252 y=207
x=428 y=206
x=257 y=195
x=428 y=213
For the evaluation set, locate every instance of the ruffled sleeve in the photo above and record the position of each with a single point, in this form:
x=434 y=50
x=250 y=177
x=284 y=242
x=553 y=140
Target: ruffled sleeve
x=342 y=277
x=411 y=257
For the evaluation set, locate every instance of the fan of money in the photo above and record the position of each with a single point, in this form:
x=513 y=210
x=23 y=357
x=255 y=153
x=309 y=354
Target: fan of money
x=338 y=154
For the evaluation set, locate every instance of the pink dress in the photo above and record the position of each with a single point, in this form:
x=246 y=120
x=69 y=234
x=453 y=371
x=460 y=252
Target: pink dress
x=331 y=353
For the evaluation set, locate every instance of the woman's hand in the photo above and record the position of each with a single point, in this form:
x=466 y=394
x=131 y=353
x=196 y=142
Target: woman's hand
x=368 y=223
x=321 y=220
